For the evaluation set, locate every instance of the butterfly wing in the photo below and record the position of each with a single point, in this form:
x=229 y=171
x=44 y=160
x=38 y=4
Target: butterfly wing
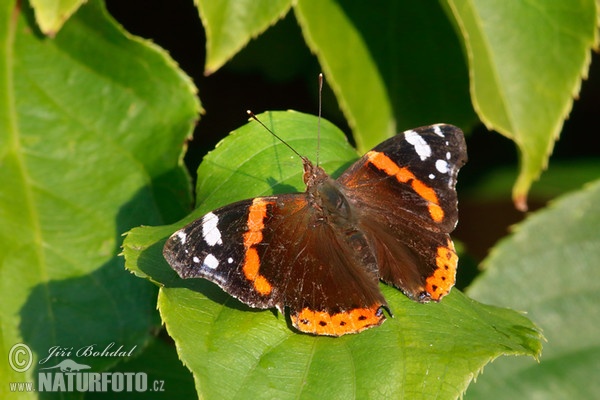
x=287 y=258
x=206 y=248
x=404 y=193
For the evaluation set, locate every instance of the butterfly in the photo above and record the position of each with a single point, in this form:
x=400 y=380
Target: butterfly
x=322 y=253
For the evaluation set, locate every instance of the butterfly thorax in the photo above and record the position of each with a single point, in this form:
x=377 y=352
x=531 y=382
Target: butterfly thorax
x=324 y=195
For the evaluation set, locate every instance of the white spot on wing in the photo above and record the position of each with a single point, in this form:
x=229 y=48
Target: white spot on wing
x=210 y=232
x=448 y=155
x=211 y=262
x=438 y=131
x=182 y=236
x=420 y=145
x=230 y=260
x=431 y=176
x=196 y=260
x=442 y=166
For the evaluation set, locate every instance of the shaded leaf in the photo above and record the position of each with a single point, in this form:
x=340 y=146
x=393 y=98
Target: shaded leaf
x=167 y=378
x=91 y=126
x=549 y=267
x=527 y=60
x=425 y=350
x=230 y=24
x=280 y=56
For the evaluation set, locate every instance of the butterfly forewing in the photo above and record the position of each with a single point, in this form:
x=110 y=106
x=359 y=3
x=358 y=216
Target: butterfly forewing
x=414 y=175
x=205 y=249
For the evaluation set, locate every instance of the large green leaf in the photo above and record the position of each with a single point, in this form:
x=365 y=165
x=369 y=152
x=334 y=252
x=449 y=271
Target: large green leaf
x=393 y=65
x=91 y=126
x=549 y=267
x=527 y=60
x=230 y=24
x=426 y=350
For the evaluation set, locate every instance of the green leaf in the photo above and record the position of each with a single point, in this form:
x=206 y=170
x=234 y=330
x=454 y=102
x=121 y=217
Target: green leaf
x=392 y=65
x=426 y=350
x=549 y=267
x=527 y=60
x=91 y=127
x=230 y=24
x=52 y=14
x=293 y=60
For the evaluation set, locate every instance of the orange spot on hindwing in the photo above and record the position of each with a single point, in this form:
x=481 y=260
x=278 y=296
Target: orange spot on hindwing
x=252 y=237
x=403 y=175
x=443 y=278
x=338 y=324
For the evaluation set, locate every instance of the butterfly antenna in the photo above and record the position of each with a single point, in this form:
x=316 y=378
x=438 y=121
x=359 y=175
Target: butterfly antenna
x=254 y=117
x=319 y=120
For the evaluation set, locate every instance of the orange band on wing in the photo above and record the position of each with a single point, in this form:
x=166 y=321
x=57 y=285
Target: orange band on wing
x=351 y=321
x=251 y=267
x=443 y=278
x=403 y=175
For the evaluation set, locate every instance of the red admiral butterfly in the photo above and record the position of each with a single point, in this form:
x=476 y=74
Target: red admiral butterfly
x=321 y=253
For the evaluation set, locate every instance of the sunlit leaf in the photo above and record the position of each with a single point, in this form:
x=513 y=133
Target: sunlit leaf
x=527 y=60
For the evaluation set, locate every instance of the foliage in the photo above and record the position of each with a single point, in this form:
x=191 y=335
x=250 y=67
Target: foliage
x=93 y=123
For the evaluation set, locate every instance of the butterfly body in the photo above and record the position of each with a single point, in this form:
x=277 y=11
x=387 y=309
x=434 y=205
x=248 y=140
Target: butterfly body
x=322 y=253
